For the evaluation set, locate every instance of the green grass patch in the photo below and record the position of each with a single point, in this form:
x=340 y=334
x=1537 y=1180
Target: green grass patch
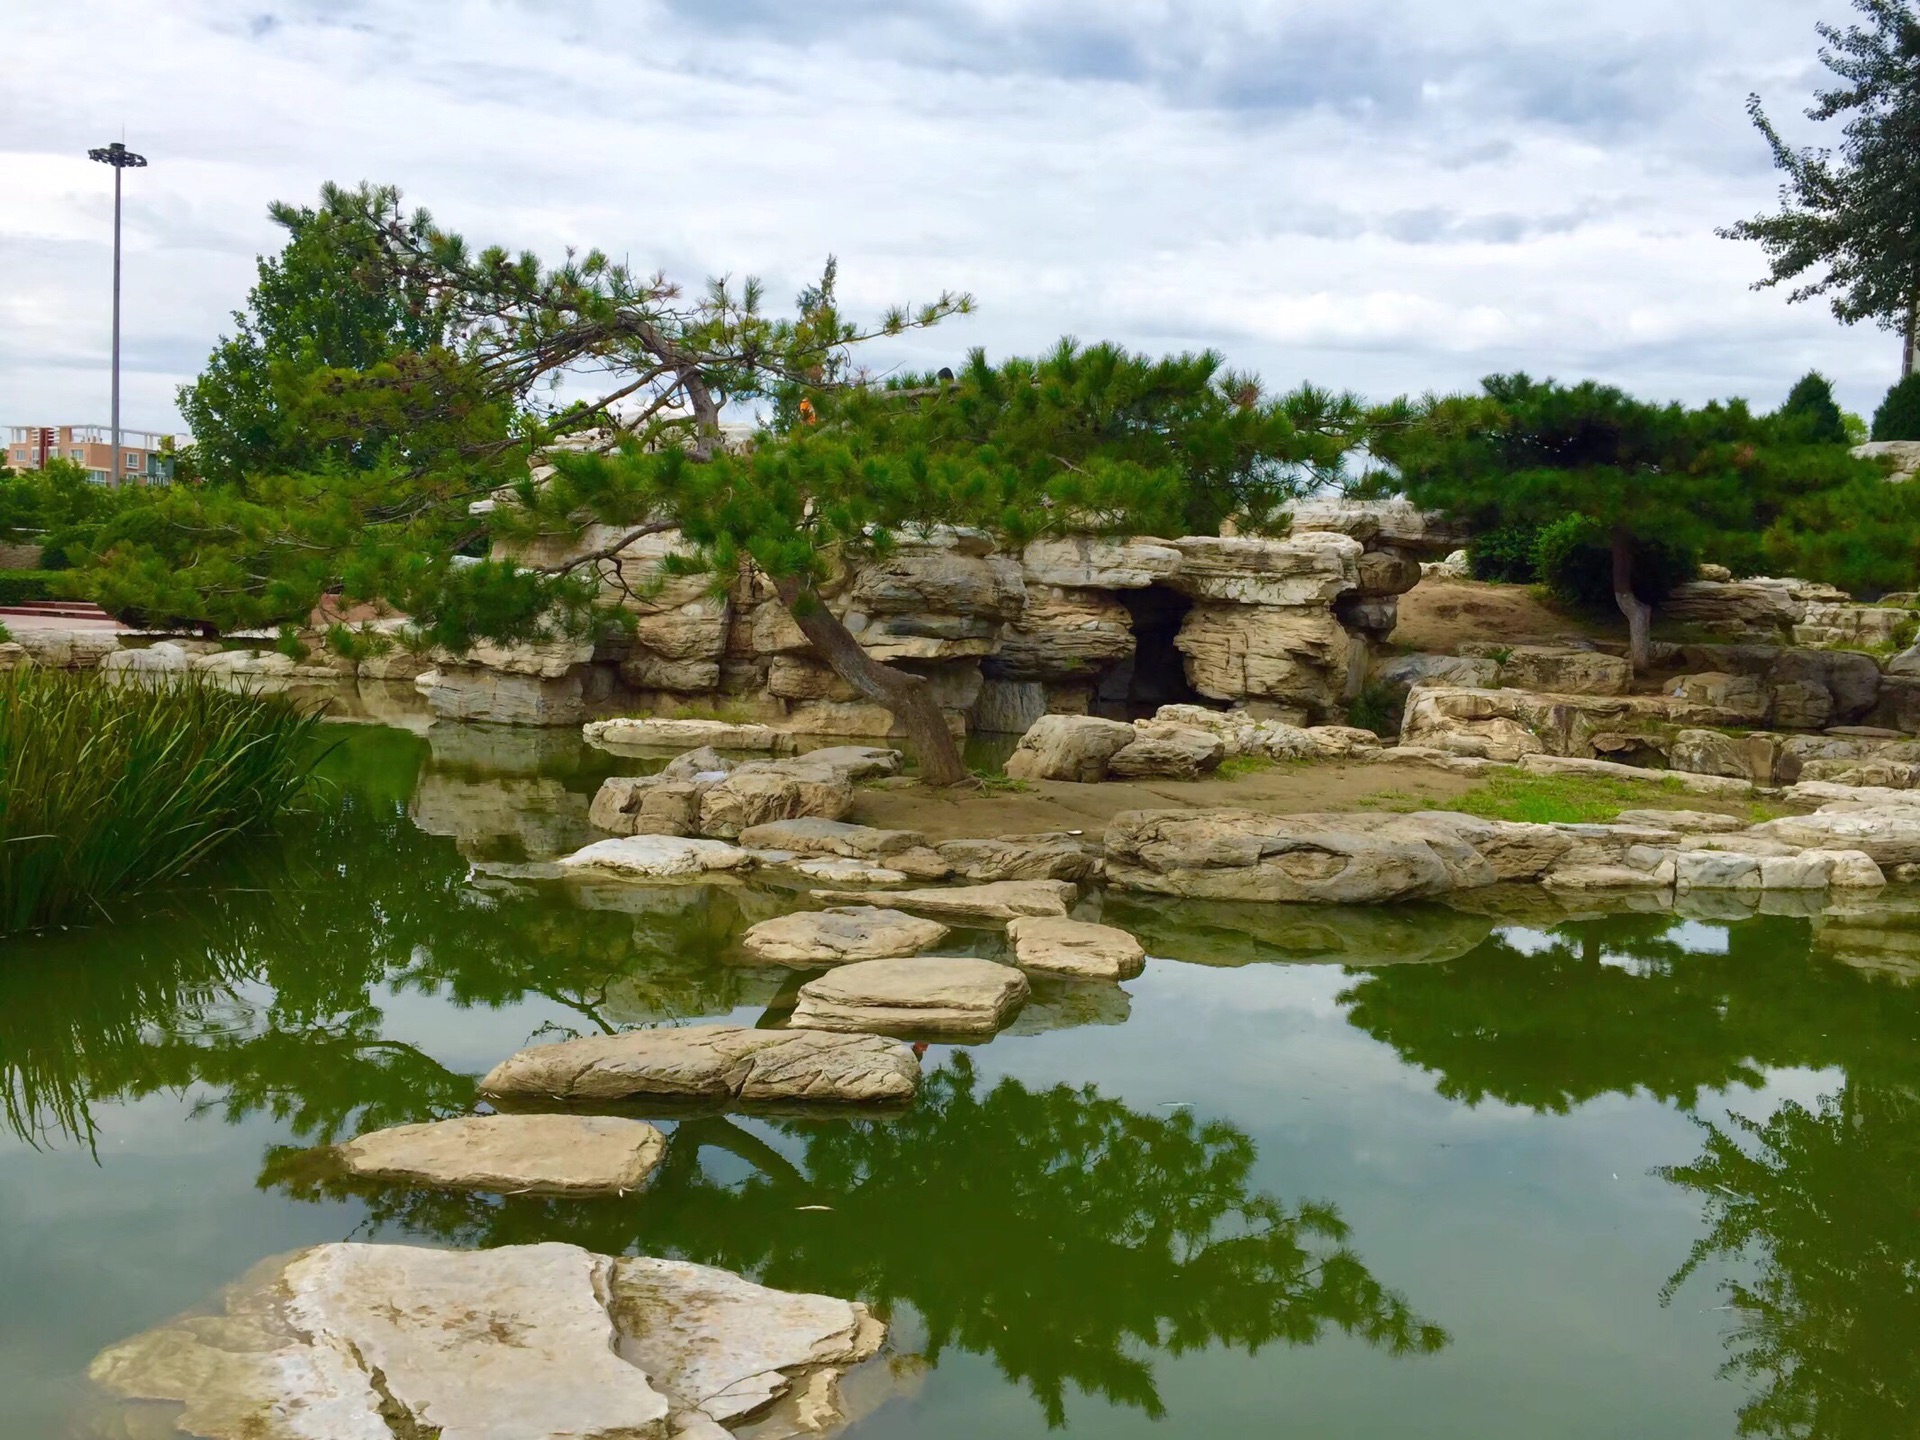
x=107 y=790
x=1234 y=767
x=998 y=782
x=1568 y=799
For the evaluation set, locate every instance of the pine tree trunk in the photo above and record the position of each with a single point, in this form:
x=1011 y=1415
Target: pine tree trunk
x=1639 y=614
x=907 y=696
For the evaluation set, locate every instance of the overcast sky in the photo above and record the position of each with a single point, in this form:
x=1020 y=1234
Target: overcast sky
x=1382 y=195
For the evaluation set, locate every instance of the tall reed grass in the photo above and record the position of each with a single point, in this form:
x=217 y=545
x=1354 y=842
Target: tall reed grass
x=107 y=790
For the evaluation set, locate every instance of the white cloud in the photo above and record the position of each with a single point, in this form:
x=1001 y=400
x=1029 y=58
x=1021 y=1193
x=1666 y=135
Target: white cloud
x=1381 y=194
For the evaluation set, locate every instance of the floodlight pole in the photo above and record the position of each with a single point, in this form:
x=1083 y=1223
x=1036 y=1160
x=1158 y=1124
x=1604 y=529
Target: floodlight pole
x=120 y=158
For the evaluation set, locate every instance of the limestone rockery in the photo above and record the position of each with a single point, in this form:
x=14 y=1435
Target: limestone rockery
x=1073 y=625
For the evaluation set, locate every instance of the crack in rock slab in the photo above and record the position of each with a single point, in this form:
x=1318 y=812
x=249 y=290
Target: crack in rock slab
x=525 y=1342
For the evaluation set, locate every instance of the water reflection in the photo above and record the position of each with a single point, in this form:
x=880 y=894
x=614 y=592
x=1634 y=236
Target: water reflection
x=1636 y=1003
x=1057 y=1231
x=1820 y=1207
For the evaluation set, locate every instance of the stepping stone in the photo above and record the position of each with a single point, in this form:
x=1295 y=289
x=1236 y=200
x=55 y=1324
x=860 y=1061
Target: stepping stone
x=835 y=937
x=658 y=857
x=521 y=1342
x=841 y=871
x=1074 y=947
x=710 y=1062
x=924 y=995
x=1002 y=900
x=542 y=1154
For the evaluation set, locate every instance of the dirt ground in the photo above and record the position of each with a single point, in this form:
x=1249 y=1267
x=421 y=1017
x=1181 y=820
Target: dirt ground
x=1437 y=615
x=1052 y=805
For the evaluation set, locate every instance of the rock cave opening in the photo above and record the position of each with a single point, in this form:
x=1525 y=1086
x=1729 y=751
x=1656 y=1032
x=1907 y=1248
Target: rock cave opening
x=1156 y=673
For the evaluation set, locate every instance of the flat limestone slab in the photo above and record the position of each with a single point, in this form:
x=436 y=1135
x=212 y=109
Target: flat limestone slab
x=1001 y=900
x=541 y=1154
x=657 y=733
x=507 y=1344
x=924 y=995
x=842 y=935
x=658 y=857
x=711 y=1062
x=837 y=870
x=524 y=1342
x=1075 y=947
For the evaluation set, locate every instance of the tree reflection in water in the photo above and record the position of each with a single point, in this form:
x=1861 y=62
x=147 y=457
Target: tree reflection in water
x=1816 y=1209
x=1057 y=1231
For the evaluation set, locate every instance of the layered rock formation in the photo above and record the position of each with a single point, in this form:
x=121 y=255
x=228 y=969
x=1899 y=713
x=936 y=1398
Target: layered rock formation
x=1075 y=624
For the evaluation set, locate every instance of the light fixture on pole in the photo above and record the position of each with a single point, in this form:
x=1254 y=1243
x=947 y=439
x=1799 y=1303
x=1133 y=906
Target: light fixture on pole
x=121 y=158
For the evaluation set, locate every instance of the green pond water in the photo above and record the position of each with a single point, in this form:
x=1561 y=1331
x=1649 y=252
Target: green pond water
x=1353 y=1173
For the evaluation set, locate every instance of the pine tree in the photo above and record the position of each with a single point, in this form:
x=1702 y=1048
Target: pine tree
x=1851 y=230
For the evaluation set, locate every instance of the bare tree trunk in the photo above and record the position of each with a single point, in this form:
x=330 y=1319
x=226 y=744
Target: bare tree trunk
x=905 y=695
x=1913 y=325
x=1639 y=614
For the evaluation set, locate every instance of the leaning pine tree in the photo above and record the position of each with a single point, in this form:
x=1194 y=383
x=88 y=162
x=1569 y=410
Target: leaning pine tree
x=1091 y=440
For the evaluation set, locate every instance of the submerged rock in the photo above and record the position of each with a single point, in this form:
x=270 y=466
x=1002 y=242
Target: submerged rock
x=925 y=995
x=1000 y=900
x=838 y=936
x=523 y=1342
x=710 y=1062
x=539 y=1154
x=1056 y=946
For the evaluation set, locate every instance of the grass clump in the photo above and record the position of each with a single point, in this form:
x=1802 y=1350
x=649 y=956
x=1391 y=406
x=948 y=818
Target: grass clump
x=1566 y=799
x=106 y=790
x=1236 y=766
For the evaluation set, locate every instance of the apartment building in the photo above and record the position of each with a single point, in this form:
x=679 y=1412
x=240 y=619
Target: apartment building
x=146 y=458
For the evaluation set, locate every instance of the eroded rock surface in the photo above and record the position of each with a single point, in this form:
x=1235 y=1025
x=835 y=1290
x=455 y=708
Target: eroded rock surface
x=925 y=995
x=522 y=1342
x=710 y=1062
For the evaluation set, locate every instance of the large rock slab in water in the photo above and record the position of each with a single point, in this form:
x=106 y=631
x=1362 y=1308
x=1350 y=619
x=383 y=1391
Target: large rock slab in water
x=842 y=935
x=538 y=1154
x=710 y=1062
x=523 y=1342
x=1079 y=948
x=926 y=995
x=999 y=901
x=658 y=857
x=1889 y=834
x=654 y=733
x=1324 y=859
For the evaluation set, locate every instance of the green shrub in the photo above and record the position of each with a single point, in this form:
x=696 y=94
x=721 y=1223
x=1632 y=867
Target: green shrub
x=1504 y=556
x=1377 y=708
x=106 y=790
x=1898 y=417
x=22 y=587
x=1575 y=561
x=1811 y=416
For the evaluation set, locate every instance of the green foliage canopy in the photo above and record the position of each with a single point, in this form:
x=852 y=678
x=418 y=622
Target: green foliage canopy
x=1849 y=229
